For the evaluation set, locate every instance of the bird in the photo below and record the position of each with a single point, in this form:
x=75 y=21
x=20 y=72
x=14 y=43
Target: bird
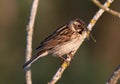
x=63 y=41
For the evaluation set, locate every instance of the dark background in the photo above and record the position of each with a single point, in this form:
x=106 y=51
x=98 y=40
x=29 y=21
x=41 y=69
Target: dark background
x=92 y=64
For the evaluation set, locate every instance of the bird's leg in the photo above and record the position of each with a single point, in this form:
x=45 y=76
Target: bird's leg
x=71 y=54
x=62 y=58
x=65 y=60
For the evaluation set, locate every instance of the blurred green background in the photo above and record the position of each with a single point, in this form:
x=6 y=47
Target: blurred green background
x=92 y=64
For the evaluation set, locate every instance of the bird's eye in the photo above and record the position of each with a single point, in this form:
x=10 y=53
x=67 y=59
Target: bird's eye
x=79 y=25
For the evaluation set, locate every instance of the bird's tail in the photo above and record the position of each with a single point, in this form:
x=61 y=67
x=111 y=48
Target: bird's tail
x=35 y=57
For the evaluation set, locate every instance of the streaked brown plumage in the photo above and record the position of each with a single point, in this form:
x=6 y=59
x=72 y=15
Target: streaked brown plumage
x=63 y=41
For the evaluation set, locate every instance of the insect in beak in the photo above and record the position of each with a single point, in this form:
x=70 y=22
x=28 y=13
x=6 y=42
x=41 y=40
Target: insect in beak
x=89 y=35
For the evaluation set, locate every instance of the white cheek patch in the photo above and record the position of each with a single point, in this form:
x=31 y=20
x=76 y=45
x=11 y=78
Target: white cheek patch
x=71 y=25
x=73 y=28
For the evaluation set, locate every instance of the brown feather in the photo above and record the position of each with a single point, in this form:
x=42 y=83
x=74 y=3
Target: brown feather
x=59 y=36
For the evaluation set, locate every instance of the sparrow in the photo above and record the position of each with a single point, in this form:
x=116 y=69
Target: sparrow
x=63 y=41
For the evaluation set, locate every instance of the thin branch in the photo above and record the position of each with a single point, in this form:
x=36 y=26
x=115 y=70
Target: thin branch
x=115 y=76
x=29 y=30
x=60 y=71
x=115 y=13
x=98 y=14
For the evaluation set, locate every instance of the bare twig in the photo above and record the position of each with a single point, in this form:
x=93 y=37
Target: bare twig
x=58 y=74
x=29 y=29
x=98 y=14
x=115 y=13
x=60 y=71
x=115 y=76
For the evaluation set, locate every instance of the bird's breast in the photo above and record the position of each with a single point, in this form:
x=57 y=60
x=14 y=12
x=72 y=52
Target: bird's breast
x=66 y=47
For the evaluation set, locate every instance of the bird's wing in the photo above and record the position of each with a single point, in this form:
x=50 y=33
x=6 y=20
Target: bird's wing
x=61 y=35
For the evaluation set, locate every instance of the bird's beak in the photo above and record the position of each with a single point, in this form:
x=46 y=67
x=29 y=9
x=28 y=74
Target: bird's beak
x=89 y=35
